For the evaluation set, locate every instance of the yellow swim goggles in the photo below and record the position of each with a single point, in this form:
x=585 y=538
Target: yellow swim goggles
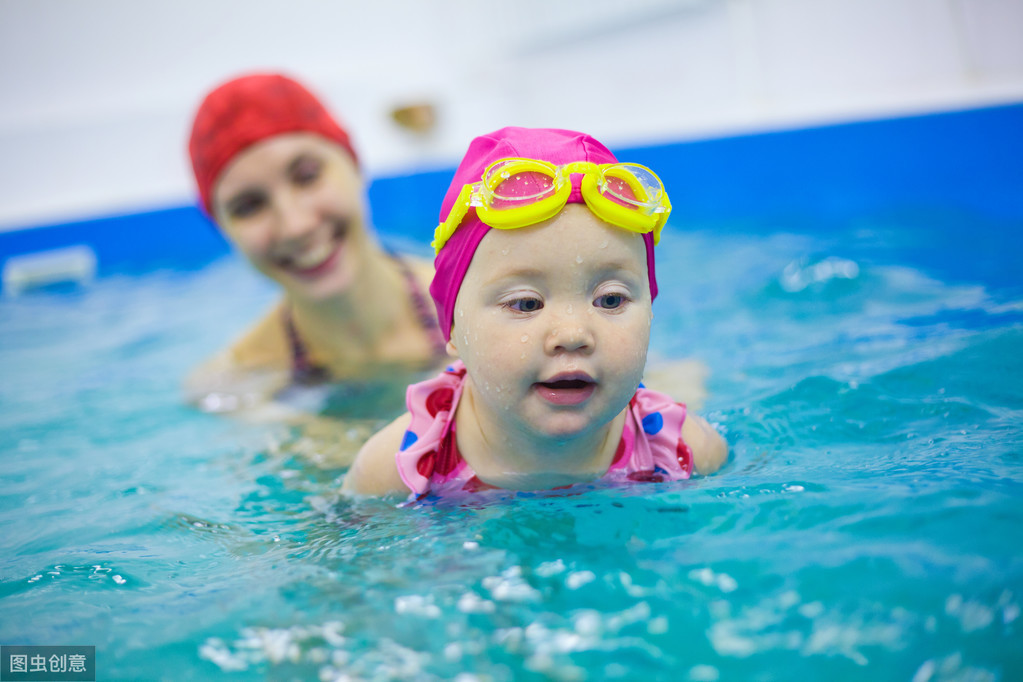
x=521 y=192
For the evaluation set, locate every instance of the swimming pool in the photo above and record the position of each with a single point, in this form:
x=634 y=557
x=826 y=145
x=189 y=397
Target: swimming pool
x=867 y=526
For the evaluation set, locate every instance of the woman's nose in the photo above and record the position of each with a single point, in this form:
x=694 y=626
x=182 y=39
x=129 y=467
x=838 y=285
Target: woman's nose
x=296 y=216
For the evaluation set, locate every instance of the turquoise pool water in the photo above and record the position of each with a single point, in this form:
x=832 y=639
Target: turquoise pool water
x=866 y=527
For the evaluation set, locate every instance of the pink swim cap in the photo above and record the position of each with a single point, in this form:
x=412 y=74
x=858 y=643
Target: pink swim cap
x=545 y=144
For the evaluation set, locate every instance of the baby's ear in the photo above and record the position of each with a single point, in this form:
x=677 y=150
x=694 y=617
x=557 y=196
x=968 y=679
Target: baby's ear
x=451 y=348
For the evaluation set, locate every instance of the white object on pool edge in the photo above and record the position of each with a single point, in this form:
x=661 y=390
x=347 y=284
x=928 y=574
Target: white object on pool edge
x=76 y=264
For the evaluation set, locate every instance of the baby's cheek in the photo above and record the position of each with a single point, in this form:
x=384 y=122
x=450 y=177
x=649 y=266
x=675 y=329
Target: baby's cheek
x=485 y=343
x=503 y=352
x=464 y=331
x=631 y=342
x=497 y=367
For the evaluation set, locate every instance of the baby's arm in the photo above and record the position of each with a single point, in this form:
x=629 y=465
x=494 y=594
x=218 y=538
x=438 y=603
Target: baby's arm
x=709 y=449
x=374 y=471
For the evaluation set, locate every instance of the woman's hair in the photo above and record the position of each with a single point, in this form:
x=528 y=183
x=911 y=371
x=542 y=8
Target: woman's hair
x=247 y=110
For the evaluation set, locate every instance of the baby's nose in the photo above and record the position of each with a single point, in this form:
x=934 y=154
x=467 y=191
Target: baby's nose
x=569 y=333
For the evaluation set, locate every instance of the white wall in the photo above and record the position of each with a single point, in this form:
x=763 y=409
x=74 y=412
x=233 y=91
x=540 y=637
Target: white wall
x=97 y=95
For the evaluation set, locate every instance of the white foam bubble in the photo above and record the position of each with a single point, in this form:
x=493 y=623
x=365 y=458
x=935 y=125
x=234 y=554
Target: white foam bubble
x=579 y=578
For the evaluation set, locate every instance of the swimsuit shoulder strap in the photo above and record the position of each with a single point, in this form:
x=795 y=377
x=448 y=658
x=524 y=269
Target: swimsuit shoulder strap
x=303 y=371
x=424 y=310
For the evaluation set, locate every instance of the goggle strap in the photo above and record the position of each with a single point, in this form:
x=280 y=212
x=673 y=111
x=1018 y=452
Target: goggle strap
x=455 y=217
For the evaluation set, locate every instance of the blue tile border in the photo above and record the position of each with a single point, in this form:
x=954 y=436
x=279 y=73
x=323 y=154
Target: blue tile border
x=929 y=167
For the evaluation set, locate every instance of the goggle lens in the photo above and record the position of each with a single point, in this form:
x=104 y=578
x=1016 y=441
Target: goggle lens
x=632 y=186
x=504 y=187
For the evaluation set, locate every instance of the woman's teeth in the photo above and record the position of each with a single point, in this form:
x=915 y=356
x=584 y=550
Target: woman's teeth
x=314 y=257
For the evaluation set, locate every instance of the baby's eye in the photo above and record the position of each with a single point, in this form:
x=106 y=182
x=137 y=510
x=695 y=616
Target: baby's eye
x=525 y=305
x=610 y=301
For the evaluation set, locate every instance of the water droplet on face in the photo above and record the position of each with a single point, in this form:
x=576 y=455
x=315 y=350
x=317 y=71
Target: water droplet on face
x=603 y=244
x=504 y=252
x=522 y=357
x=525 y=337
x=569 y=309
x=579 y=259
x=461 y=313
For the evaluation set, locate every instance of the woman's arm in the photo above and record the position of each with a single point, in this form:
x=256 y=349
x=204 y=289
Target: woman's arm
x=245 y=375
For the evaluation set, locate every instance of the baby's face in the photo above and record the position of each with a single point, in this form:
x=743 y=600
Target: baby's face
x=553 y=323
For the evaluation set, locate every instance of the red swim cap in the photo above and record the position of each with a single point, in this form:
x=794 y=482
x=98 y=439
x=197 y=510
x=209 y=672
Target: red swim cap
x=247 y=110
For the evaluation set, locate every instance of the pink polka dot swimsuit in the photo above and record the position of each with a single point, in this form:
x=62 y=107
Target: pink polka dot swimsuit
x=651 y=448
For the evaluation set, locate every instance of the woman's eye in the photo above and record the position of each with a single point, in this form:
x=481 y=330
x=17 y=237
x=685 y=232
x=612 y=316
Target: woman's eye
x=525 y=305
x=246 y=205
x=610 y=301
x=306 y=172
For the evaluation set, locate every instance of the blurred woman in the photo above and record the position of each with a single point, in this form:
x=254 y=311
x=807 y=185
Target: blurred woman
x=280 y=177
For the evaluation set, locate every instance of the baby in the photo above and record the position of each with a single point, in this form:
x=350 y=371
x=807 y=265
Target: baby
x=549 y=315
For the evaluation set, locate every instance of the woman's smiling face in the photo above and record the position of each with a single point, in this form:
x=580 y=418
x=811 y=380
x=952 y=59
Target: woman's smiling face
x=553 y=322
x=293 y=205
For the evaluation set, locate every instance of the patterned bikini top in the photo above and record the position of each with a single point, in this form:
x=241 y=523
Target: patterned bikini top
x=651 y=448
x=305 y=373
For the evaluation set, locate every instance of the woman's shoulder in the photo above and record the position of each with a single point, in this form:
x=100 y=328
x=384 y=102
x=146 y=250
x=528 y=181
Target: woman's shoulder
x=421 y=268
x=264 y=345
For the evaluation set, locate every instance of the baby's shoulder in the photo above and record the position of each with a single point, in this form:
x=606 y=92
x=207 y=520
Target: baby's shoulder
x=375 y=471
x=709 y=449
x=658 y=410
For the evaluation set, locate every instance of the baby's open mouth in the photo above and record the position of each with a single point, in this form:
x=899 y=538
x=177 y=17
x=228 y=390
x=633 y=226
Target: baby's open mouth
x=566 y=391
x=566 y=384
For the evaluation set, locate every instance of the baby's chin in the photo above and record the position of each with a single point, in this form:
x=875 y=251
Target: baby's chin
x=565 y=426
x=541 y=480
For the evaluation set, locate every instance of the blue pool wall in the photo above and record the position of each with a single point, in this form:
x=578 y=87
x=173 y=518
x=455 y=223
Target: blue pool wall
x=960 y=173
